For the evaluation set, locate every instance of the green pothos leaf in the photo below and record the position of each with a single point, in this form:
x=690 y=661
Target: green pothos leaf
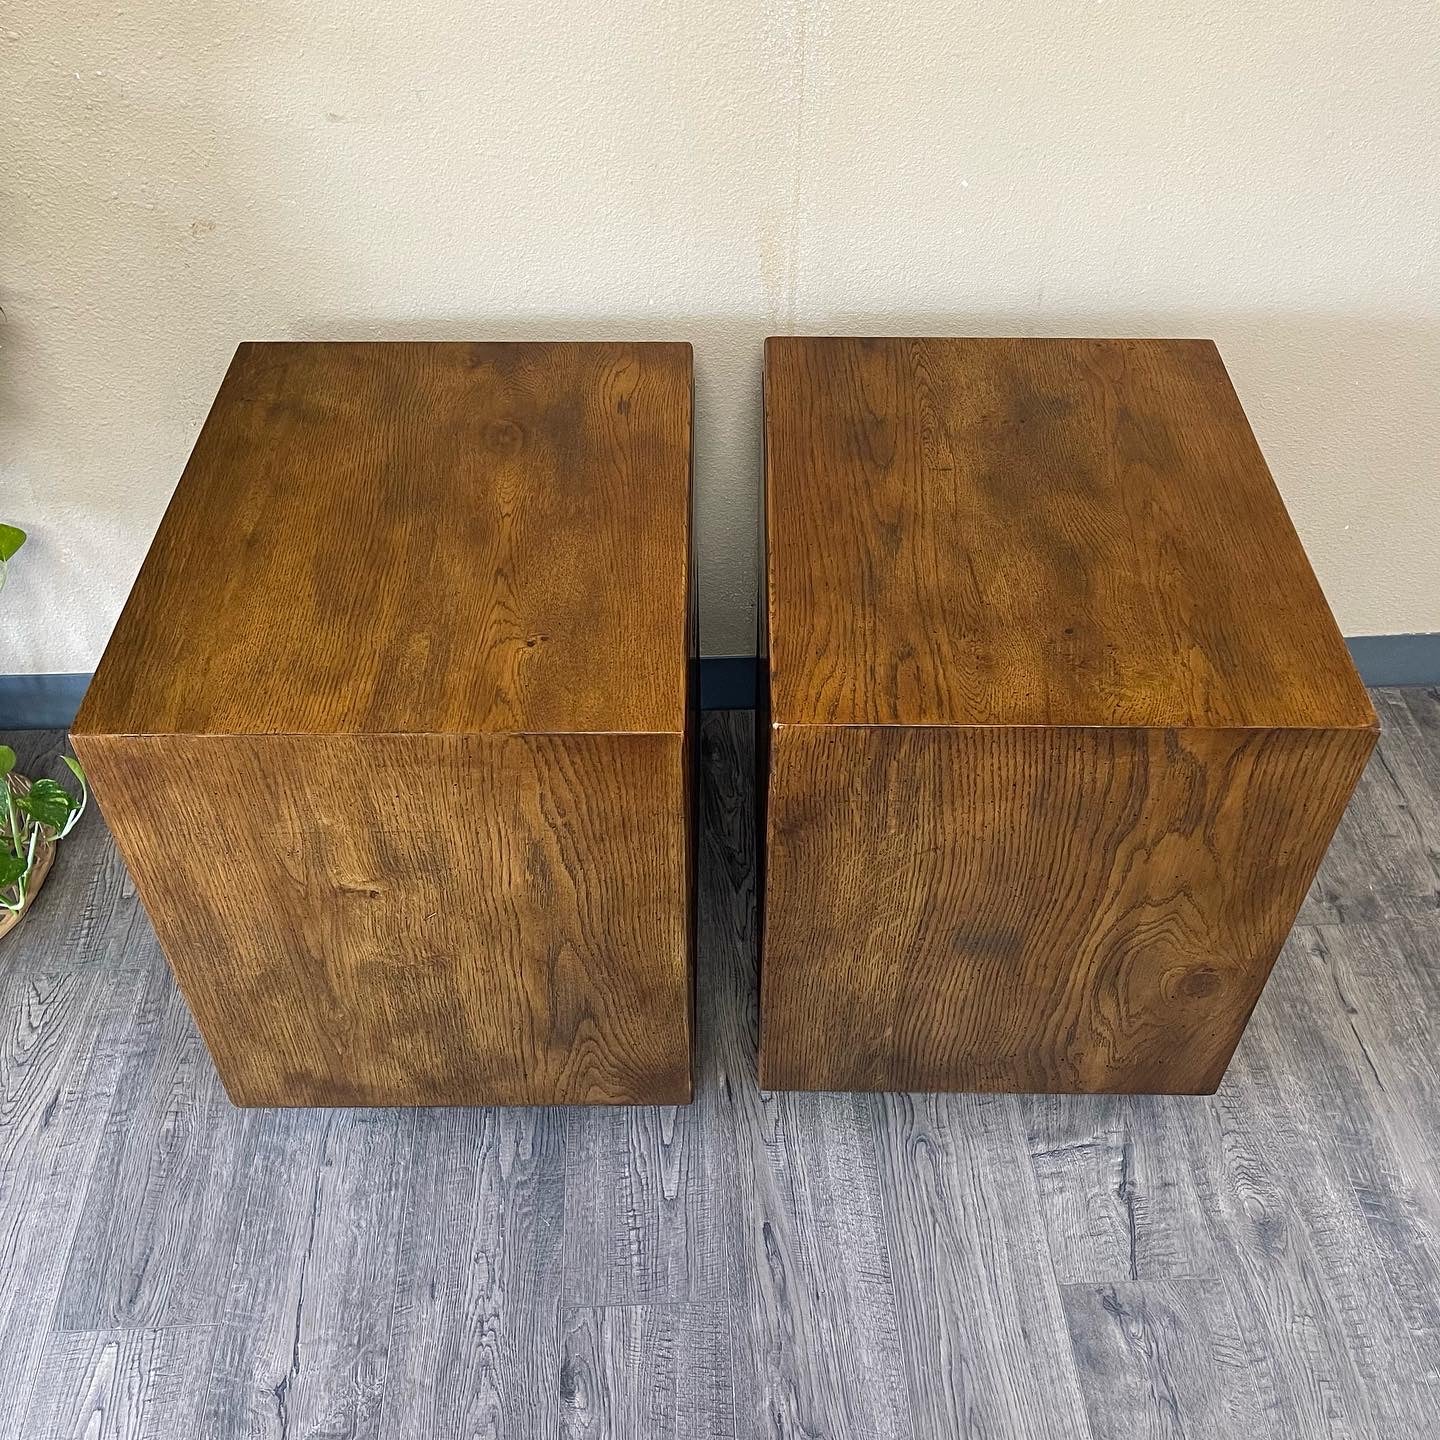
x=12 y=869
x=12 y=537
x=46 y=802
x=7 y=760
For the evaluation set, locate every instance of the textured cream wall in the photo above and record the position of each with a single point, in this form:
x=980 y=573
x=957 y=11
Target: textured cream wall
x=179 y=176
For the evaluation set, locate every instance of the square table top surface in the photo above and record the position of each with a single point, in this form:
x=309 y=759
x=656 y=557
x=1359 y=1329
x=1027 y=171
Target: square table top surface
x=1033 y=532
x=420 y=538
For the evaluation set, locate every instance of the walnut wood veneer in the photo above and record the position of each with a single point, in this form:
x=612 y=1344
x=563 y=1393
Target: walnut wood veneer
x=1059 y=723
x=395 y=730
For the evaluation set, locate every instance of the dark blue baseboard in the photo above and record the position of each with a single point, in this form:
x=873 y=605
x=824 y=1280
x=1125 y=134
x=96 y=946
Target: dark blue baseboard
x=40 y=702
x=49 y=702
x=1396 y=659
x=727 y=682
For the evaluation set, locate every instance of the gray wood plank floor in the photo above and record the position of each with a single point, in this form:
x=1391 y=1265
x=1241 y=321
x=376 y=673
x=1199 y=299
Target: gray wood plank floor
x=1263 y=1263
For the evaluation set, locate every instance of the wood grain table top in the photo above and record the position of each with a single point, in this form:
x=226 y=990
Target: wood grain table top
x=1033 y=532
x=420 y=538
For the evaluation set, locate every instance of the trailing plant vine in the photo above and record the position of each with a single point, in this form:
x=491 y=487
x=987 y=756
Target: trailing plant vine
x=36 y=813
x=11 y=539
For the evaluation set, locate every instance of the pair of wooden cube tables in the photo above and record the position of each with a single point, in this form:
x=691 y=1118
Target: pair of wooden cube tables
x=397 y=730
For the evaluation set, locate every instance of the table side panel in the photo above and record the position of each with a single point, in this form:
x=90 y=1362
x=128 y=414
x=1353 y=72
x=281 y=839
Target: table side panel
x=418 y=920
x=1033 y=909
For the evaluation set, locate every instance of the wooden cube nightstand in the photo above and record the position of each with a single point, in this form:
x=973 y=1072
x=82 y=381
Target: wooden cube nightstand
x=1060 y=725
x=395 y=731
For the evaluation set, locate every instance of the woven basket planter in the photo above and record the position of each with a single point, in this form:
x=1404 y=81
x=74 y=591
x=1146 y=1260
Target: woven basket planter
x=44 y=859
